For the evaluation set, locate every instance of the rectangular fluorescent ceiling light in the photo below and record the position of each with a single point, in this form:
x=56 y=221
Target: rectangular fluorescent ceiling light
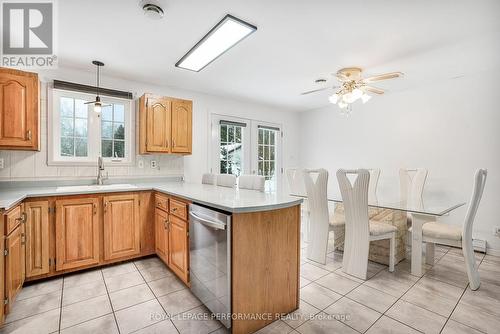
x=226 y=34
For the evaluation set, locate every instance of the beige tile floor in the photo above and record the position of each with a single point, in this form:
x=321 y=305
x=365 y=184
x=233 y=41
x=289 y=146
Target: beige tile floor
x=137 y=296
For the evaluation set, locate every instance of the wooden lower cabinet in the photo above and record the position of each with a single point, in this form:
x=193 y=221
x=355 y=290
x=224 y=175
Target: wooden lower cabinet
x=161 y=235
x=179 y=247
x=2 y=271
x=121 y=226
x=14 y=264
x=37 y=238
x=77 y=232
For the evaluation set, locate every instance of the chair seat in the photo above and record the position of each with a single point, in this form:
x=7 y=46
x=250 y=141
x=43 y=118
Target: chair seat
x=378 y=228
x=442 y=231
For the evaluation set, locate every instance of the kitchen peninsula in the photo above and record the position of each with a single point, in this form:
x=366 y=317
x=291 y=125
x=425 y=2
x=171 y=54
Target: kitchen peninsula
x=70 y=228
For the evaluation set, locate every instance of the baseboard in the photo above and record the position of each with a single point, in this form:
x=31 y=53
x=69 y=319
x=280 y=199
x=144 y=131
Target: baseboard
x=494 y=252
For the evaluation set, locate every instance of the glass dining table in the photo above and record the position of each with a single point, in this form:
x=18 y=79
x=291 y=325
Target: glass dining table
x=424 y=211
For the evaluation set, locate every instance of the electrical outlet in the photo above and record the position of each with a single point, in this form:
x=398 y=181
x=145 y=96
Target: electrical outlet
x=154 y=164
x=496 y=231
x=140 y=163
x=2 y=166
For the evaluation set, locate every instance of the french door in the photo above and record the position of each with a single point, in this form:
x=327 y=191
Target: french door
x=244 y=146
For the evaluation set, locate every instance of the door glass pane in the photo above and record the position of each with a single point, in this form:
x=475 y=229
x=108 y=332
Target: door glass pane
x=231 y=149
x=267 y=156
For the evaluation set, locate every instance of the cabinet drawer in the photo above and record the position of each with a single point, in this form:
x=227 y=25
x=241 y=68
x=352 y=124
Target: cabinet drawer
x=178 y=208
x=13 y=219
x=161 y=202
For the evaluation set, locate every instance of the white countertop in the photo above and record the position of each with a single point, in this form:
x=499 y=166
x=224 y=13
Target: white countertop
x=227 y=199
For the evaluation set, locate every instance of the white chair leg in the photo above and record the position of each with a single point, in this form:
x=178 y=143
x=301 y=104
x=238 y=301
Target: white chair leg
x=470 y=264
x=429 y=253
x=392 y=252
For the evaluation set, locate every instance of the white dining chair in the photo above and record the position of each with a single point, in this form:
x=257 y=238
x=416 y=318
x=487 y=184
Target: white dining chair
x=296 y=186
x=411 y=185
x=252 y=182
x=316 y=183
x=373 y=184
x=226 y=180
x=359 y=231
x=458 y=236
x=209 y=178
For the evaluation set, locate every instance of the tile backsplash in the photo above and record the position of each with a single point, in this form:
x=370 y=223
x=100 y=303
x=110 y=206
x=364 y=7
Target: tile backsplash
x=29 y=165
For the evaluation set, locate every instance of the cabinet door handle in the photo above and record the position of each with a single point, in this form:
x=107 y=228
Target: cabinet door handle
x=174 y=209
x=28 y=135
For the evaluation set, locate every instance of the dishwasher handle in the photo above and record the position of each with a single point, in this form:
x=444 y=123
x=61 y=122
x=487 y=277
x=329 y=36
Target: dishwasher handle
x=208 y=222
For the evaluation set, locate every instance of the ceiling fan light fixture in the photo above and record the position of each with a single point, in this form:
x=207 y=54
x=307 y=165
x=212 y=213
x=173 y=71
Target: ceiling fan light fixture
x=356 y=93
x=334 y=98
x=365 y=98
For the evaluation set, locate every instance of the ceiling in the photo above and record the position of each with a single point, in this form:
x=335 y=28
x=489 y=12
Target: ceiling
x=296 y=43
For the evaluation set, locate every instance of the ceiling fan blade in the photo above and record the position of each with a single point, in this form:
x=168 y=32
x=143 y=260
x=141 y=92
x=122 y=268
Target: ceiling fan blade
x=89 y=102
x=314 y=90
x=373 y=89
x=385 y=76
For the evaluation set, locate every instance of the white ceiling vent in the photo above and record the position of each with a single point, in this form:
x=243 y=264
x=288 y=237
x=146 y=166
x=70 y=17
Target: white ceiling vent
x=152 y=9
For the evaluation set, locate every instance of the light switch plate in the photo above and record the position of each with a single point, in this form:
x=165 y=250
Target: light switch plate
x=140 y=163
x=154 y=164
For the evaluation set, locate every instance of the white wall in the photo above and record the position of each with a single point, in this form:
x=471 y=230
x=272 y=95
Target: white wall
x=33 y=165
x=451 y=128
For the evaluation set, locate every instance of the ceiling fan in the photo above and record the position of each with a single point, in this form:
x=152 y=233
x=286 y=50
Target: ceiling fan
x=352 y=86
x=97 y=103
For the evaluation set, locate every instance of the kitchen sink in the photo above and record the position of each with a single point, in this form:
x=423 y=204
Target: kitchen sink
x=95 y=187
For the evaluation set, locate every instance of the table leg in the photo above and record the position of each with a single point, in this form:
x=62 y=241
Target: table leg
x=417 y=222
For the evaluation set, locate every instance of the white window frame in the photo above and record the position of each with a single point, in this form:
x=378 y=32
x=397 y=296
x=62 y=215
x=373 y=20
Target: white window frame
x=93 y=131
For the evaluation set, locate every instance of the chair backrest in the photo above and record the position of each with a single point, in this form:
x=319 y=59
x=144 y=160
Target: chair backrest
x=295 y=180
x=209 y=178
x=252 y=182
x=357 y=229
x=477 y=193
x=316 y=184
x=372 y=186
x=411 y=185
x=226 y=180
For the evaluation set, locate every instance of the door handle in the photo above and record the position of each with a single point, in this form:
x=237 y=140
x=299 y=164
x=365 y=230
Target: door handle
x=207 y=222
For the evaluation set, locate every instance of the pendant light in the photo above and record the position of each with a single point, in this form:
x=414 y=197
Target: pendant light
x=97 y=103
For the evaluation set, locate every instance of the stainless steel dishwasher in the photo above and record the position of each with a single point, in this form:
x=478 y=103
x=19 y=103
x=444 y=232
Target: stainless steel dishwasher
x=210 y=259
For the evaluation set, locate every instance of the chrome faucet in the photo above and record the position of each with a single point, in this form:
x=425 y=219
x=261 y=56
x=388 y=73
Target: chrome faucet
x=100 y=169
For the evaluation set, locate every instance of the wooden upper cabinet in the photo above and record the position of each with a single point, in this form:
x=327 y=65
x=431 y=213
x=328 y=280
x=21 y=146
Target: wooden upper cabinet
x=19 y=116
x=37 y=238
x=77 y=232
x=163 y=122
x=161 y=234
x=121 y=226
x=179 y=247
x=14 y=264
x=182 y=113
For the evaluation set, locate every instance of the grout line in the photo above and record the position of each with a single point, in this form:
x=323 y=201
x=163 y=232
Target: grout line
x=110 y=303
x=60 y=306
x=156 y=298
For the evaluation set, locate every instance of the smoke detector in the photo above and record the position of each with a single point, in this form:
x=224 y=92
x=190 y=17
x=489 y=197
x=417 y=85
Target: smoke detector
x=152 y=10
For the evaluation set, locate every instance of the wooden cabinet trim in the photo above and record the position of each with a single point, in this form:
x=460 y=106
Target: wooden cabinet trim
x=178 y=209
